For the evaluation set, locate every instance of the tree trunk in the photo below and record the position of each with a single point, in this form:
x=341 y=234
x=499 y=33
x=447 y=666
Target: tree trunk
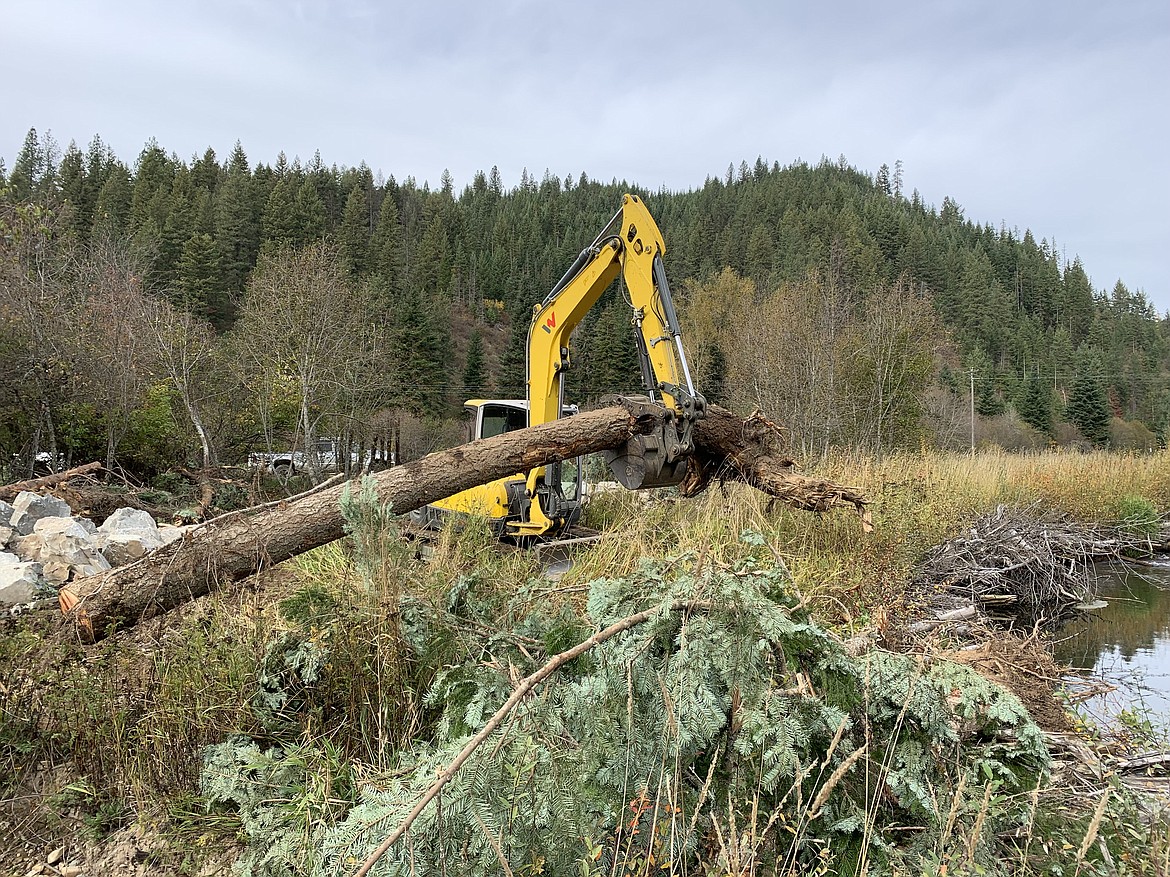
x=234 y=546
x=731 y=448
x=237 y=545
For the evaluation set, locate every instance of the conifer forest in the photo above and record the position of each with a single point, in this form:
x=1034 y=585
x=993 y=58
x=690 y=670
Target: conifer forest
x=822 y=293
x=713 y=682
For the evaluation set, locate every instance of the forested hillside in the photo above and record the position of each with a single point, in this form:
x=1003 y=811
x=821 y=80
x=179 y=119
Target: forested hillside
x=170 y=309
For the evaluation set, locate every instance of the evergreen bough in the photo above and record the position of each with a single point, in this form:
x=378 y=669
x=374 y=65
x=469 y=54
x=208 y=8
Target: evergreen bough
x=688 y=718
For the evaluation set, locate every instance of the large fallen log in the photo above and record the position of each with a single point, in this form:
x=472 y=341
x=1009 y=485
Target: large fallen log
x=234 y=546
x=753 y=451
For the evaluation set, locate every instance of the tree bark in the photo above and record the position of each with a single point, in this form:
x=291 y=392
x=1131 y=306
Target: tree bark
x=10 y=490
x=237 y=545
x=234 y=546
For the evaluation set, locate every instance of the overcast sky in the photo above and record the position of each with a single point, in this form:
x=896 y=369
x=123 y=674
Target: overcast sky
x=1051 y=116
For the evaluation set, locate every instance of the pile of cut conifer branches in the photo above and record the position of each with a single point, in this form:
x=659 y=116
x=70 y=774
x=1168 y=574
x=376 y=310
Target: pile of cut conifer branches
x=1022 y=562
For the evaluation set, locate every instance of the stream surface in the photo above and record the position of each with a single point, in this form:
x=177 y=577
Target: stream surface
x=1126 y=644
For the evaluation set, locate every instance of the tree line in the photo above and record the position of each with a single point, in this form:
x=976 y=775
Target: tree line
x=171 y=308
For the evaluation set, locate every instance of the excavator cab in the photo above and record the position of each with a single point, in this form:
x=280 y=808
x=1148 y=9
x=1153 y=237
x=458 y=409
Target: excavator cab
x=506 y=502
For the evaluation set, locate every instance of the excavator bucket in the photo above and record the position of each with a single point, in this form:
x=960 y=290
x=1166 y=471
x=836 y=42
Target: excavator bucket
x=644 y=463
x=655 y=460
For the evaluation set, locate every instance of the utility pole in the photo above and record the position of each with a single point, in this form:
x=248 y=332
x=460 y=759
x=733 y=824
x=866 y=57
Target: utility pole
x=971 y=372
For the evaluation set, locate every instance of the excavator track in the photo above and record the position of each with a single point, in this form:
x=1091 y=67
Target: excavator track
x=554 y=555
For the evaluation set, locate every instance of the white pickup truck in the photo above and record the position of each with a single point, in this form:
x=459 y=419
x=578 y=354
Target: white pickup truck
x=327 y=455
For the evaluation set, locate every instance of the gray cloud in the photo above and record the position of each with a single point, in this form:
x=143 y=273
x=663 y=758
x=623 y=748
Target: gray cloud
x=1042 y=115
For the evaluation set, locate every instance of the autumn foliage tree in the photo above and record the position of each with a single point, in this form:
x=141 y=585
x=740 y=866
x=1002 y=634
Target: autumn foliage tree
x=305 y=332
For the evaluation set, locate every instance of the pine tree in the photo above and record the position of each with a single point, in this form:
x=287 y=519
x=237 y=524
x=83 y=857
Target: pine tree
x=111 y=212
x=612 y=355
x=237 y=231
x=153 y=175
x=388 y=252
x=432 y=264
x=1076 y=312
x=34 y=171
x=354 y=235
x=177 y=228
x=205 y=171
x=310 y=214
x=1035 y=405
x=419 y=350
x=513 y=380
x=198 y=282
x=279 y=227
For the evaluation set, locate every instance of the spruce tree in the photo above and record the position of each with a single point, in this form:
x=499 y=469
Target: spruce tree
x=1088 y=405
x=475 y=369
x=1035 y=404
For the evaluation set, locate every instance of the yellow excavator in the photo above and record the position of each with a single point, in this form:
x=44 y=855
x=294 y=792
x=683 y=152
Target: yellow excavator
x=543 y=503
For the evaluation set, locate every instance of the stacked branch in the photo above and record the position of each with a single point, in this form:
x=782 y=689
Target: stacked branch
x=1019 y=560
x=232 y=547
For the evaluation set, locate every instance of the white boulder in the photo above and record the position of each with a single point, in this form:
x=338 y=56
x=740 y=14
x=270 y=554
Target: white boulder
x=20 y=580
x=6 y=511
x=127 y=535
x=29 y=507
x=57 y=541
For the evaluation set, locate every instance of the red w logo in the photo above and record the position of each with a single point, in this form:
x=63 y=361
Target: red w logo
x=550 y=323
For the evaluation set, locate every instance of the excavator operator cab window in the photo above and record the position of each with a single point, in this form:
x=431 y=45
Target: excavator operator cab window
x=497 y=419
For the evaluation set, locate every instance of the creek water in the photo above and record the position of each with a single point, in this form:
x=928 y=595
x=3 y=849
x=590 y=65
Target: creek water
x=1125 y=645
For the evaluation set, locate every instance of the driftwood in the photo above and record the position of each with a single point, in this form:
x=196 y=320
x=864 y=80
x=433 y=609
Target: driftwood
x=236 y=545
x=9 y=491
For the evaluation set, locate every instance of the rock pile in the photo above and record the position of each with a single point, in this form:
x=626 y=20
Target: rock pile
x=43 y=546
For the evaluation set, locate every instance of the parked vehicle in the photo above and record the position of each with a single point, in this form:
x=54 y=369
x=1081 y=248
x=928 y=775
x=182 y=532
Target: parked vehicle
x=326 y=455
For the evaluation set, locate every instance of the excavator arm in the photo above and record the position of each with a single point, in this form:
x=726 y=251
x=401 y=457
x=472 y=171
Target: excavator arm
x=630 y=246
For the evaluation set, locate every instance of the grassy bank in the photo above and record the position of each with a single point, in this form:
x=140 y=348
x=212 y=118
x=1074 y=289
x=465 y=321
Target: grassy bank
x=347 y=667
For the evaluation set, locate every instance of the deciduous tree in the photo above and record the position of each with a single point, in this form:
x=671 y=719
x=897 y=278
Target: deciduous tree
x=305 y=328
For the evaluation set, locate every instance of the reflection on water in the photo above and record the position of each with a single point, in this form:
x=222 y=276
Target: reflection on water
x=1127 y=643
